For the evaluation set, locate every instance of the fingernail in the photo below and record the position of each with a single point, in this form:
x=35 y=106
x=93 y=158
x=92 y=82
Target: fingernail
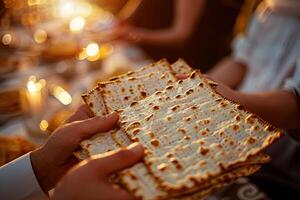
x=136 y=148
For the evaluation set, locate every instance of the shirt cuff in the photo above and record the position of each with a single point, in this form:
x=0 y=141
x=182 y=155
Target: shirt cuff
x=18 y=180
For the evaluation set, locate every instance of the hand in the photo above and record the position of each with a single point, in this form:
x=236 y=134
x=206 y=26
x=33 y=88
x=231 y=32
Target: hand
x=90 y=179
x=55 y=157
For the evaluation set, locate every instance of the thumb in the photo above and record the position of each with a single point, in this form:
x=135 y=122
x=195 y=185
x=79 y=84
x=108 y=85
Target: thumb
x=86 y=128
x=114 y=161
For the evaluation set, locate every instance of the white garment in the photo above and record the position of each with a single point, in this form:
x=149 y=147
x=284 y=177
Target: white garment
x=271 y=50
x=18 y=181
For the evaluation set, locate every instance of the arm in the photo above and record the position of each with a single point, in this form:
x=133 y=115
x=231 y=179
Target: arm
x=187 y=13
x=229 y=72
x=279 y=108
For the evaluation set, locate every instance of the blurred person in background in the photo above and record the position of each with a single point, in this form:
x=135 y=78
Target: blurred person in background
x=197 y=30
x=265 y=69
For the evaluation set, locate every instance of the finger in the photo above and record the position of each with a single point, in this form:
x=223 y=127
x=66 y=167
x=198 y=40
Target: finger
x=114 y=161
x=120 y=193
x=86 y=128
x=181 y=76
x=83 y=112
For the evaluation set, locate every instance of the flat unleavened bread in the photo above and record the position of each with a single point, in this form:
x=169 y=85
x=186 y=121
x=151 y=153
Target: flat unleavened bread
x=192 y=134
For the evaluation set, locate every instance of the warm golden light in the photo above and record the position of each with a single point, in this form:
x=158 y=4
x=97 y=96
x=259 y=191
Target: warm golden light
x=6 y=39
x=63 y=96
x=92 y=49
x=77 y=24
x=105 y=50
x=34 y=86
x=40 y=36
x=44 y=125
x=34 y=2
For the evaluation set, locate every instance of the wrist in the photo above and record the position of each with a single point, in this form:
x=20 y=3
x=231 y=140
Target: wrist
x=40 y=168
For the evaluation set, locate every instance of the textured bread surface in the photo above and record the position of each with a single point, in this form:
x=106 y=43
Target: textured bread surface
x=192 y=134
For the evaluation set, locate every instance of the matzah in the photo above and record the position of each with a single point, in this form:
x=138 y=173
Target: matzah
x=193 y=133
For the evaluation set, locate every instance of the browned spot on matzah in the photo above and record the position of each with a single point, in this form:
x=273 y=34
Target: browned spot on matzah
x=206 y=121
x=131 y=78
x=122 y=89
x=178 y=96
x=223 y=104
x=182 y=130
x=250 y=119
x=136 y=131
x=201 y=85
x=204 y=151
x=126 y=98
x=190 y=91
x=203 y=133
x=235 y=127
x=237 y=118
x=202 y=162
x=174 y=108
x=221 y=133
x=169 y=155
x=155 y=107
x=148 y=117
x=143 y=94
x=162 y=167
x=187 y=119
x=155 y=142
x=201 y=142
x=151 y=134
x=180 y=81
x=219 y=100
x=133 y=125
x=170 y=87
x=133 y=103
x=187 y=137
x=158 y=93
x=91 y=104
x=251 y=140
x=193 y=75
x=169 y=118
x=194 y=107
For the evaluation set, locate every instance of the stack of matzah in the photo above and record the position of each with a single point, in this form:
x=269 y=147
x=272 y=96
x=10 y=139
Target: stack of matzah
x=196 y=141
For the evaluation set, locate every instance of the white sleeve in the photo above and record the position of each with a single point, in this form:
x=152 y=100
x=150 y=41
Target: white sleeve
x=293 y=84
x=18 y=181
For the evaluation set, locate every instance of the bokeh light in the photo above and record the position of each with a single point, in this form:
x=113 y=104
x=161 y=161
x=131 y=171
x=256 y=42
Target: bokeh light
x=77 y=24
